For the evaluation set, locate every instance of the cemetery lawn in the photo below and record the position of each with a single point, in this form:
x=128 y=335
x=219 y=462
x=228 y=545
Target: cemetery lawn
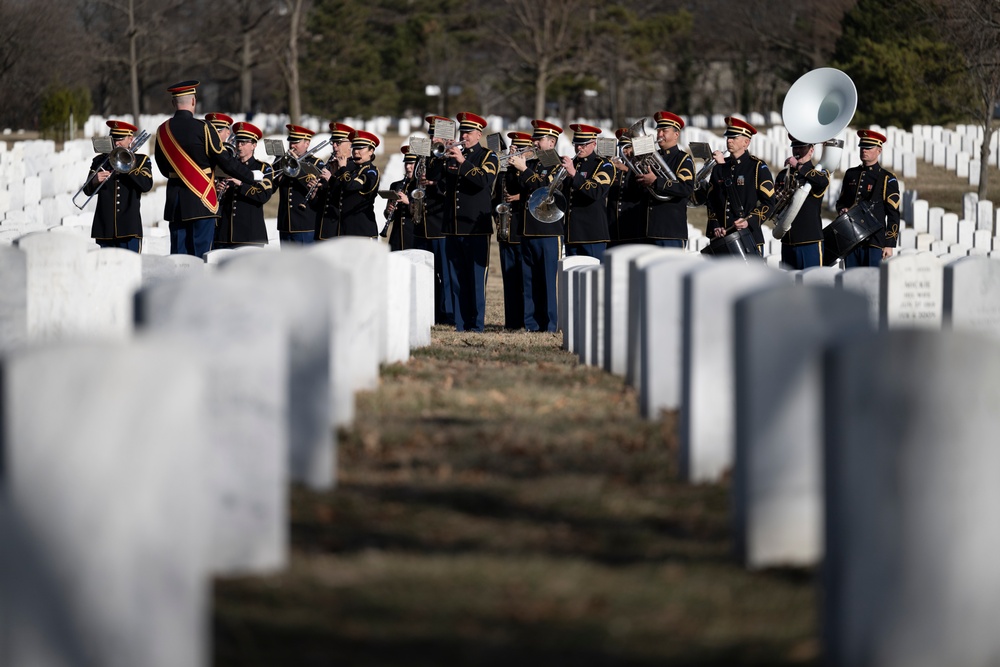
x=500 y=504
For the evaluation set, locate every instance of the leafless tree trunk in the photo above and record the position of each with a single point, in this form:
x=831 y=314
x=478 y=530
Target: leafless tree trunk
x=292 y=63
x=133 y=61
x=973 y=27
x=544 y=36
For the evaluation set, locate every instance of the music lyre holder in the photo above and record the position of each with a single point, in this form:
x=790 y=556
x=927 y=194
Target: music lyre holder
x=607 y=147
x=274 y=147
x=700 y=150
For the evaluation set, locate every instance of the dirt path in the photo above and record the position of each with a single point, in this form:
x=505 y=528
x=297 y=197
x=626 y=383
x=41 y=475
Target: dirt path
x=500 y=504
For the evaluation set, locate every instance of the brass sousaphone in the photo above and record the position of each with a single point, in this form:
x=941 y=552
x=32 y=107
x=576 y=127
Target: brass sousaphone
x=818 y=107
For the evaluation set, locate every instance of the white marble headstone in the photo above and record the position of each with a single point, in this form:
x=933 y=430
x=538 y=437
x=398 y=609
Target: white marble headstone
x=708 y=405
x=910 y=576
x=911 y=291
x=777 y=483
x=113 y=494
x=245 y=356
x=13 y=298
x=293 y=287
x=616 y=297
x=566 y=296
x=972 y=295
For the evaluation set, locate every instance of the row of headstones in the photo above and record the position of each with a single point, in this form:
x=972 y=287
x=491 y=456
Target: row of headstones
x=138 y=464
x=931 y=228
x=865 y=443
x=956 y=150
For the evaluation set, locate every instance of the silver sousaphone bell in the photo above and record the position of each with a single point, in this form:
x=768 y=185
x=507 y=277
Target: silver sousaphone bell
x=818 y=107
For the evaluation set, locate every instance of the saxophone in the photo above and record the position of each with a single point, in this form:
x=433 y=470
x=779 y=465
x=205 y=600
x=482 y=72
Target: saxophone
x=502 y=210
x=418 y=193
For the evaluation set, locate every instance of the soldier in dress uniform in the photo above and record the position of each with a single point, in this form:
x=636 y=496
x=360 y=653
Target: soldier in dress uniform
x=328 y=200
x=626 y=198
x=470 y=175
x=188 y=150
x=588 y=179
x=541 y=242
x=667 y=198
x=223 y=124
x=117 y=220
x=355 y=186
x=242 y=204
x=398 y=215
x=296 y=215
x=802 y=245
x=428 y=228
x=511 y=270
x=741 y=190
x=870 y=182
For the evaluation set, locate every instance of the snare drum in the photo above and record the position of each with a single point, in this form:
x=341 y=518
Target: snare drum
x=735 y=244
x=848 y=231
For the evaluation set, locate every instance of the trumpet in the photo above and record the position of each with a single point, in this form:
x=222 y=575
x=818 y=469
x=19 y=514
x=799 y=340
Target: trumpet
x=505 y=159
x=121 y=160
x=441 y=148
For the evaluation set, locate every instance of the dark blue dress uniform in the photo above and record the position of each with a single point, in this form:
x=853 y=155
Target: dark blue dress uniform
x=190 y=212
x=587 y=196
x=880 y=187
x=297 y=201
x=541 y=242
x=356 y=184
x=117 y=220
x=666 y=220
x=510 y=249
x=242 y=206
x=326 y=201
x=401 y=227
x=428 y=228
x=802 y=245
x=469 y=225
x=740 y=188
x=626 y=203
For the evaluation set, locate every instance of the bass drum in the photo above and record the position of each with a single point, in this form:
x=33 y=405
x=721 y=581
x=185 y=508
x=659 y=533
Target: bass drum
x=848 y=231
x=735 y=244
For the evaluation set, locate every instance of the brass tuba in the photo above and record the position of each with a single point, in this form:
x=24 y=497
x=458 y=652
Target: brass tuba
x=818 y=107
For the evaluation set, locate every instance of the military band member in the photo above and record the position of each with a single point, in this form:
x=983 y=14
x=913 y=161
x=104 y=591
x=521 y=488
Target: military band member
x=509 y=193
x=188 y=150
x=296 y=216
x=398 y=213
x=470 y=174
x=117 y=219
x=541 y=242
x=355 y=187
x=741 y=190
x=223 y=124
x=327 y=200
x=667 y=198
x=242 y=203
x=626 y=198
x=588 y=179
x=802 y=245
x=428 y=229
x=870 y=182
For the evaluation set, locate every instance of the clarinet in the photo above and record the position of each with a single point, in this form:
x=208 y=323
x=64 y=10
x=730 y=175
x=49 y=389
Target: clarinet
x=390 y=209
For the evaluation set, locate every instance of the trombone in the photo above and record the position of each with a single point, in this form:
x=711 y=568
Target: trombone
x=291 y=166
x=121 y=160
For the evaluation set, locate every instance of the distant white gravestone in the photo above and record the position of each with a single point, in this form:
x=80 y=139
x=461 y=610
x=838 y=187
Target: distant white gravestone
x=910 y=576
x=910 y=290
x=567 y=297
x=616 y=298
x=777 y=482
x=245 y=356
x=113 y=496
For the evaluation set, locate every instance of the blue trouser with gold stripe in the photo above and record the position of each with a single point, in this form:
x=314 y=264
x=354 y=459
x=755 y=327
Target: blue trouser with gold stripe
x=468 y=260
x=540 y=262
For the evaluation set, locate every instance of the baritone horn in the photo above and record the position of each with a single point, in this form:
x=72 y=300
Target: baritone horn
x=818 y=107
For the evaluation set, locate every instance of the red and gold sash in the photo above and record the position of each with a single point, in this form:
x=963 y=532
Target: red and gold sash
x=196 y=180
